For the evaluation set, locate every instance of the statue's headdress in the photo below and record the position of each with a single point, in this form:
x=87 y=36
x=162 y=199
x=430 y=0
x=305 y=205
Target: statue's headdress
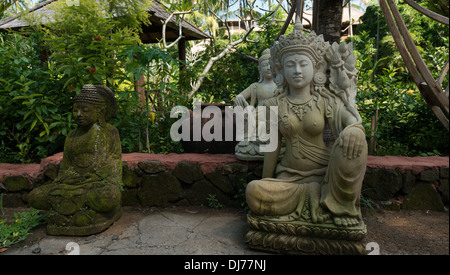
x=265 y=55
x=297 y=41
x=98 y=95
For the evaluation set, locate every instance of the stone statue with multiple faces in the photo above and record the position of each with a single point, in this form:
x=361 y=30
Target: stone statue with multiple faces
x=309 y=201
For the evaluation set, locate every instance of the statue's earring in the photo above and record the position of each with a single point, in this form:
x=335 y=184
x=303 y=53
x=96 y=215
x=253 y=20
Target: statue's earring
x=279 y=79
x=101 y=113
x=320 y=79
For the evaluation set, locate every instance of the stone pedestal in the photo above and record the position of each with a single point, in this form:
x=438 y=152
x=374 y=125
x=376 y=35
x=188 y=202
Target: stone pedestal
x=95 y=224
x=295 y=237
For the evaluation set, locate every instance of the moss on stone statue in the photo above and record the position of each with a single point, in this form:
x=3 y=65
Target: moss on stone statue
x=86 y=195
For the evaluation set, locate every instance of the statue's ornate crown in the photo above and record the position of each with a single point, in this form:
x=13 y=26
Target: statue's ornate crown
x=312 y=45
x=265 y=55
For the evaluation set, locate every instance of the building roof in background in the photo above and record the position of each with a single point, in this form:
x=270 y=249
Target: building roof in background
x=150 y=34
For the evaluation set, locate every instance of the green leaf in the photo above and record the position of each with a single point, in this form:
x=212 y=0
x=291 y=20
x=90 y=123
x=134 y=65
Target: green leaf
x=33 y=124
x=20 y=97
x=29 y=113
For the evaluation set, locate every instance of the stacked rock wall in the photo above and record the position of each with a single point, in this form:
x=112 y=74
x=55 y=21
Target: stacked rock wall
x=212 y=180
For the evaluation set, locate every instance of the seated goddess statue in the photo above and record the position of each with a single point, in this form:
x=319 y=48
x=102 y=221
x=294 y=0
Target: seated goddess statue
x=85 y=197
x=311 y=196
x=258 y=93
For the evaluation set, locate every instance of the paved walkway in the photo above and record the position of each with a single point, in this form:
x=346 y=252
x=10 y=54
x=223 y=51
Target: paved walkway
x=198 y=231
x=150 y=231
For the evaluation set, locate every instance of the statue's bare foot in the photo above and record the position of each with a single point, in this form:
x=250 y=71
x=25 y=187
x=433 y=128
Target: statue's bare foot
x=345 y=221
x=323 y=217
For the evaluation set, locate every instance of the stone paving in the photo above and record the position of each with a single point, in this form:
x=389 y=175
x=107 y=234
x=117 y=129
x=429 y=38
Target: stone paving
x=153 y=231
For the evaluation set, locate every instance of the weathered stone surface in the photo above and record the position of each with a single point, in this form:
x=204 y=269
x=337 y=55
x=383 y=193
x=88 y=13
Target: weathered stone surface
x=14 y=200
x=443 y=173
x=423 y=196
x=443 y=187
x=231 y=168
x=187 y=172
x=200 y=191
x=17 y=183
x=51 y=170
x=151 y=166
x=403 y=164
x=220 y=181
x=159 y=189
x=429 y=175
x=381 y=184
x=31 y=170
x=130 y=197
x=409 y=180
x=258 y=170
x=236 y=174
x=129 y=177
x=84 y=197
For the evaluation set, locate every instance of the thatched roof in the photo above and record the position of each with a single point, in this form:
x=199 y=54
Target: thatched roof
x=150 y=34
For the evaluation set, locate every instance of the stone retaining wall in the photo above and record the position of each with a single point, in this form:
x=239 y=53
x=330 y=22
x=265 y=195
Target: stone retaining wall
x=206 y=179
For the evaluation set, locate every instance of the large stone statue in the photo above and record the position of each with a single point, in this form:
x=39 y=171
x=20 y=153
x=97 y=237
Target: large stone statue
x=85 y=197
x=258 y=93
x=309 y=201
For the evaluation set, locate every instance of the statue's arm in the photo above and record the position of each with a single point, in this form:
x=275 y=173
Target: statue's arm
x=66 y=170
x=353 y=136
x=113 y=166
x=241 y=99
x=271 y=160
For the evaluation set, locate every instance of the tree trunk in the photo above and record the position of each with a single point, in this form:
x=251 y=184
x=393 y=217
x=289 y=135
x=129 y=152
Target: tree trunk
x=328 y=19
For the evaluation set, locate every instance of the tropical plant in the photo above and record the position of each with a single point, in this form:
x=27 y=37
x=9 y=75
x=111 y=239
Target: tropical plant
x=85 y=40
x=11 y=4
x=405 y=125
x=33 y=108
x=18 y=228
x=159 y=72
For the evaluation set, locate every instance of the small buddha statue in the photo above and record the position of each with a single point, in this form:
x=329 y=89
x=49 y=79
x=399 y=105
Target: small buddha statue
x=85 y=197
x=257 y=93
x=308 y=202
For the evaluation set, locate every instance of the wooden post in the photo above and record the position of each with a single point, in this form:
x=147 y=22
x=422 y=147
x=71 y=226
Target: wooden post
x=182 y=51
x=139 y=88
x=373 y=129
x=315 y=16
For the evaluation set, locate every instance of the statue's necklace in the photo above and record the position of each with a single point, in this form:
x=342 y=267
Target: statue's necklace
x=300 y=109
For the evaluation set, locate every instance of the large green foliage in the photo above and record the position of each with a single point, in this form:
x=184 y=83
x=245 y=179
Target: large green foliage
x=36 y=94
x=406 y=125
x=34 y=108
x=87 y=45
x=426 y=33
x=85 y=40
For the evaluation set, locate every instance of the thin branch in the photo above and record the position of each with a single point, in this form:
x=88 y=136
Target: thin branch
x=180 y=28
x=211 y=61
x=286 y=24
x=275 y=11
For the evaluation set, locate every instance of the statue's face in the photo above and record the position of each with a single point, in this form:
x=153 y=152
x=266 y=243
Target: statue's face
x=298 y=70
x=85 y=114
x=264 y=68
